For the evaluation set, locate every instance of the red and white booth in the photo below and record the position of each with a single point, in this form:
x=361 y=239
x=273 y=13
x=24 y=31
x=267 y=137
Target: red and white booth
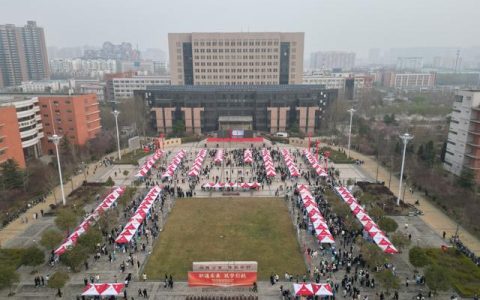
x=149 y=163
x=103 y=289
x=197 y=163
x=368 y=224
x=314 y=163
x=219 y=156
x=268 y=163
x=312 y=289
x=292 y=167
x=107 y=202
x=177 y=159
x=140 y=214
x=231 y=185
x=247 y=156
x=319 y=224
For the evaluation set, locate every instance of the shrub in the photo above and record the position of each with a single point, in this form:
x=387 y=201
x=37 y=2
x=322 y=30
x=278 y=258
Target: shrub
x=417 y=257
x=51 y=238
x=109 y=181
x=33 y=256
x=387 y=224
x=58 y=280
x=437 y=278
x=8 y=276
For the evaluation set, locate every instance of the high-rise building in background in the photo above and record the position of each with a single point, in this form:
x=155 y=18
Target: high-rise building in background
x=123 y=51
x=327 y=60
x=23 y=54
x=463 y=144
x=236 y=58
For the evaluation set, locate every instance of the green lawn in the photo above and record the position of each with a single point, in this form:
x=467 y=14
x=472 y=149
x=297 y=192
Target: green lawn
x=227 y=229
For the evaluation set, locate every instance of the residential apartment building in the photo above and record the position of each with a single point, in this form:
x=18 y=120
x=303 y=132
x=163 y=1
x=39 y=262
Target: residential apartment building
x=463 y=145
x=409 y=63
x=83 y=68
x=10 y=142
x=23 y=54
x=46 y=86
x=328 y=60
x=76 y=117
x=236 y=58
x=123 y=87
x=409 y=81
x=27 y=120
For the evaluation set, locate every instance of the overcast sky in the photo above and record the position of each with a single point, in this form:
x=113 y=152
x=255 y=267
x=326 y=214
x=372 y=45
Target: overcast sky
x=354 y=25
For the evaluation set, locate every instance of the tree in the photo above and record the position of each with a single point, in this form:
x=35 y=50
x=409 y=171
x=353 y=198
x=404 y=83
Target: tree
x=75 y=257
x=90 y=239
x=417 y=257
x=51 y=238
x=58 y=280
x=388 y=280
x=400 y=240
x=372 y=254
x=32 y=256
x=178 y=128
x=387 y=224
x=66 y=219
x=8 y=276
x=109 y=181
x=437 y=278
x=467 y=178
x=11 y=174
x=376 y=213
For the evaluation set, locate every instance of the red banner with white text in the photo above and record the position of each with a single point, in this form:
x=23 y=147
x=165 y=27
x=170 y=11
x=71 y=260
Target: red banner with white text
x=199 y=278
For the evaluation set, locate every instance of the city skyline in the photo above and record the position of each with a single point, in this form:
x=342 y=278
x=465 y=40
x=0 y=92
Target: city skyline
x=327 y=24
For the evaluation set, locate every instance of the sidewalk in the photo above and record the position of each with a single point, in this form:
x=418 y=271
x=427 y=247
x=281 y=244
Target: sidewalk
x=433 y=216
x=17 y=227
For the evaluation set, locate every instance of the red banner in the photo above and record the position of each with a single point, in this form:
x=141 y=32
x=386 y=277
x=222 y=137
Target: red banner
x=199 y=278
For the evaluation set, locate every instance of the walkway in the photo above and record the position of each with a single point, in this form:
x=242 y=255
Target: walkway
x=433 y=216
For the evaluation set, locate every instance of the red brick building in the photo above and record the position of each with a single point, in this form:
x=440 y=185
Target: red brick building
x=10 y=141
x=76 y=117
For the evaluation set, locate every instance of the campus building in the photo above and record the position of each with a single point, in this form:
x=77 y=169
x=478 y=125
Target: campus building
x=463 y=145
x=266 y=108
x=22 y=129
x=328 y=60
x=236 y=58
x=409 y=81
x=76 y=117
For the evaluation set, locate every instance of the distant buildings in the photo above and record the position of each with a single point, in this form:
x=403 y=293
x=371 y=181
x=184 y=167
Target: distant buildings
x=339 y=81
x=83 y=68
x=463 y=146
x=123 y=51
x=235 y=58
x=328 y=60
x=23 y=54
x=409 y=63
x=123 y=88
x=409 y=81
x=46 y=86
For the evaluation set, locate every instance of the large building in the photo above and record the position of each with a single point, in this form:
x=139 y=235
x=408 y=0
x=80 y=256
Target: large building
x=409 y=63
x=123 y=88
x=28 y=128
x=76 y=117
x=236 y=58
x=10 y=141
x=328 y=60
x=463 y=146
x=23 y=54
x=409 y=81
x=266 y=108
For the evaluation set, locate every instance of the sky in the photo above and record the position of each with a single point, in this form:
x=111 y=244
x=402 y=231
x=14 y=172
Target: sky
x=349 y=25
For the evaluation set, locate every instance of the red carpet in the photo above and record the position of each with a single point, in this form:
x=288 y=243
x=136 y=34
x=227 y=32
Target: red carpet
x=235 y=140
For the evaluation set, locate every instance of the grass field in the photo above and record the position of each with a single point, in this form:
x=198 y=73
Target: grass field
x=227 y=229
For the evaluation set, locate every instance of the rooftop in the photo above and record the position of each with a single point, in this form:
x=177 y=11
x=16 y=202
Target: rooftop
x=236 y=88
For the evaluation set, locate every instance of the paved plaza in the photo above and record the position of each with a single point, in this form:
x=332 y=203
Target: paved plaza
x=423 y=233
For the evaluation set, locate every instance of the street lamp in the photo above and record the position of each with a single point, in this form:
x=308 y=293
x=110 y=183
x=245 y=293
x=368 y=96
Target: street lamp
x=56 y=140
x=351 y=111
x=405 y=138
x=115 y=114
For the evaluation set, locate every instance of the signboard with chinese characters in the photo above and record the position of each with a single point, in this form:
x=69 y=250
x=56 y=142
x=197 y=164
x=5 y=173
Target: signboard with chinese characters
x=225 y=266
x=223 y=279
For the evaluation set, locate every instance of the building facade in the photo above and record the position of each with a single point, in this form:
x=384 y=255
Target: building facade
x=327 y=60
x=236 y=58
x=123 y=88
x=76 y=117
x=28 y=120
x=271 y=108
x=23 y=54
x=10 y=142
x=409 y=63
x=409 y=81
x=463 y=145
